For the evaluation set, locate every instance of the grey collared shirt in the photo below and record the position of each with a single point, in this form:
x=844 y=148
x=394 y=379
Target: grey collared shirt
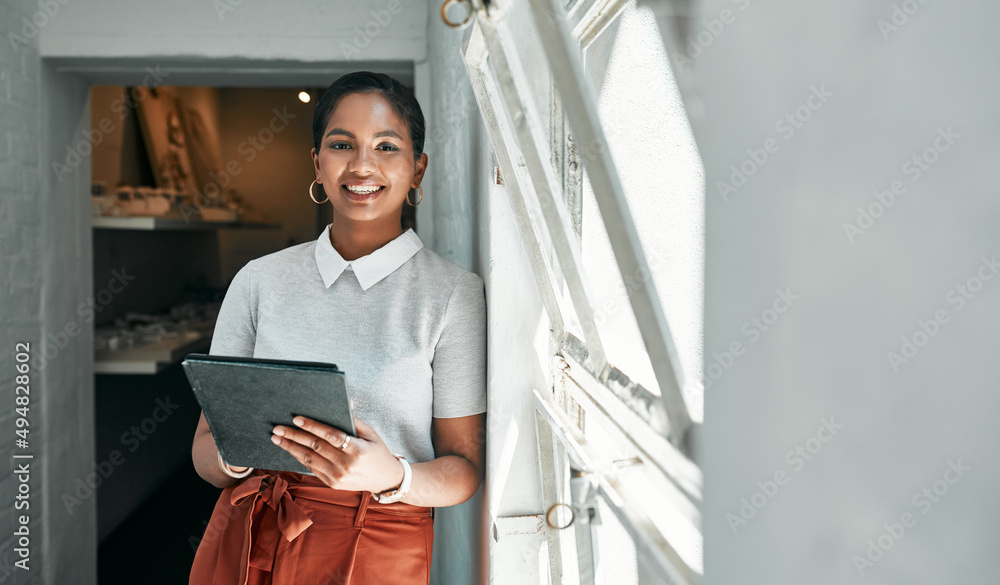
x=407 y=327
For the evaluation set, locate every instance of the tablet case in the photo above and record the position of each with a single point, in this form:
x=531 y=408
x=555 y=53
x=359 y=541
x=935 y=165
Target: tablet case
x=244 y=398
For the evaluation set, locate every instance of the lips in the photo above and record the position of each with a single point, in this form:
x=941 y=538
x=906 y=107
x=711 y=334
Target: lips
x=359 y=196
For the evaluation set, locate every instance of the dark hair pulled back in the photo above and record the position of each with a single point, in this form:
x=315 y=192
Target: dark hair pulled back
x=400 y=98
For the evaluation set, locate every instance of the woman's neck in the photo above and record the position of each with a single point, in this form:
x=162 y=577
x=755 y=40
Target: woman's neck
x=353 y=240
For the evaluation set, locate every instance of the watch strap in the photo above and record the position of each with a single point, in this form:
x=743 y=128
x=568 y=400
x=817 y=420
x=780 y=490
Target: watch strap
x=400 y=492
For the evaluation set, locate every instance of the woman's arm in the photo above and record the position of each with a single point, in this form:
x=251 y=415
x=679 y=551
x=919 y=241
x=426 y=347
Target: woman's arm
x=454 y=476
x=459 y=379
x=205 y=455
x=235 y=335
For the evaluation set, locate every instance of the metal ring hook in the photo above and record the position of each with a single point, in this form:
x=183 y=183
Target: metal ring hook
x=553 y=508
x=468 y=16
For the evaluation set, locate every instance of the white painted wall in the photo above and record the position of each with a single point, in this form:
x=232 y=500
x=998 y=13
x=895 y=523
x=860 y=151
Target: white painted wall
x=827 y=357
x=657 y=163
x=518 y=348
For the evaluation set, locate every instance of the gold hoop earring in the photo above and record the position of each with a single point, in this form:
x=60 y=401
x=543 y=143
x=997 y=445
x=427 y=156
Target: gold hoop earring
x=421 y=198
x=313 y=197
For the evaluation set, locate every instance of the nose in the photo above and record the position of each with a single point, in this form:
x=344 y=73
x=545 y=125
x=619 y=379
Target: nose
x=363 y=161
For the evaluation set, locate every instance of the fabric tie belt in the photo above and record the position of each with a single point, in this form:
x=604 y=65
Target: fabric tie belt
x=271 y=490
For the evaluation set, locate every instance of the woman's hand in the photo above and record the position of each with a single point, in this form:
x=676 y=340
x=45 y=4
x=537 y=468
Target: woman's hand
x=365 y=464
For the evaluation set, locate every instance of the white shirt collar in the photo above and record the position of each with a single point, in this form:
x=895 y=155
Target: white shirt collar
x=368 y=269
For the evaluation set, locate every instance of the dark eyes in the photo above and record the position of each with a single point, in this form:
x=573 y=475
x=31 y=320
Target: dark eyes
x=337 y=145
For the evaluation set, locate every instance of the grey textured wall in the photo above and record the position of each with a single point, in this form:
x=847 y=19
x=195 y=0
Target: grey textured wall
x=21 y=217
x=45 y=271
x=854 y=437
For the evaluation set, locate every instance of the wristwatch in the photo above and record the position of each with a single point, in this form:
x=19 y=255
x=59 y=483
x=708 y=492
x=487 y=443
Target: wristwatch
x=400 y=492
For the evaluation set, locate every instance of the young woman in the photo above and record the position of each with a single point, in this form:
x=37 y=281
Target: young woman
x=408 y=328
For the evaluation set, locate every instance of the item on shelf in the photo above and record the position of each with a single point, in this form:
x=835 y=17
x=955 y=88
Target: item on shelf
x=159 y=203
x=219 y=214
x=140 y=201
x=121 y=202
x=163 y=134
x=235 y=202
x=168 y=203
x=102 y=205
x=128 y=201
x=134 y=331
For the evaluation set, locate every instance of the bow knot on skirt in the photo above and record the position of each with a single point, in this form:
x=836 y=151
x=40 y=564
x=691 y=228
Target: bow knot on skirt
x=275 y=528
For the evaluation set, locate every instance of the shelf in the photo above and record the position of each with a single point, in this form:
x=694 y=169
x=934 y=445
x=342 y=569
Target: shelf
x=151 y=358
x=166 y=223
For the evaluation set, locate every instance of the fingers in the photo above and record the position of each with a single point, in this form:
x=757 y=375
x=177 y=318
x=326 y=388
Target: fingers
x=315 y=462
x=320 y=460
x=314 y=436
x=331 y=435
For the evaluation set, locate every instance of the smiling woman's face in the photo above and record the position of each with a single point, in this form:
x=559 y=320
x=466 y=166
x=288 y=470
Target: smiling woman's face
x=365 y=162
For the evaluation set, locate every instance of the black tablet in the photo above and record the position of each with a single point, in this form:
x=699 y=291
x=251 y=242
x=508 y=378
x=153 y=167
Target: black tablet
x=244 y=398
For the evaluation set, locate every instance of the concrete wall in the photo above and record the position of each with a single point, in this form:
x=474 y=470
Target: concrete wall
x=46 y=275
x=25 y=280
x=882 y=369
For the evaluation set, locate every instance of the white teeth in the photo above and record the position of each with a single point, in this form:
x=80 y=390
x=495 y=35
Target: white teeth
x=361 y=190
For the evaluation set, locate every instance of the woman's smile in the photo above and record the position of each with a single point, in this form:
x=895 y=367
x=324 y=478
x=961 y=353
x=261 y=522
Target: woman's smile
x=362 y=193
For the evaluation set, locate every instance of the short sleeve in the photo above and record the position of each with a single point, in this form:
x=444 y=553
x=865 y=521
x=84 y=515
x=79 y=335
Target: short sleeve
x=459 y=363
x=236 y=328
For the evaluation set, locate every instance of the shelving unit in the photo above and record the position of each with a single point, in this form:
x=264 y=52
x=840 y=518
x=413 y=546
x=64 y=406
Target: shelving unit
x=166 y=223
x=151 y=358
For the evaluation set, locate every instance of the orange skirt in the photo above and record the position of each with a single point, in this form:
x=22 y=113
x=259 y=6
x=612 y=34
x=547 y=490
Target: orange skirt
x=285 y=528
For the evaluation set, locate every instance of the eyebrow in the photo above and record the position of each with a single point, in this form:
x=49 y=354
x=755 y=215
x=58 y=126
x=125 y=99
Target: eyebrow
x=350 y=135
